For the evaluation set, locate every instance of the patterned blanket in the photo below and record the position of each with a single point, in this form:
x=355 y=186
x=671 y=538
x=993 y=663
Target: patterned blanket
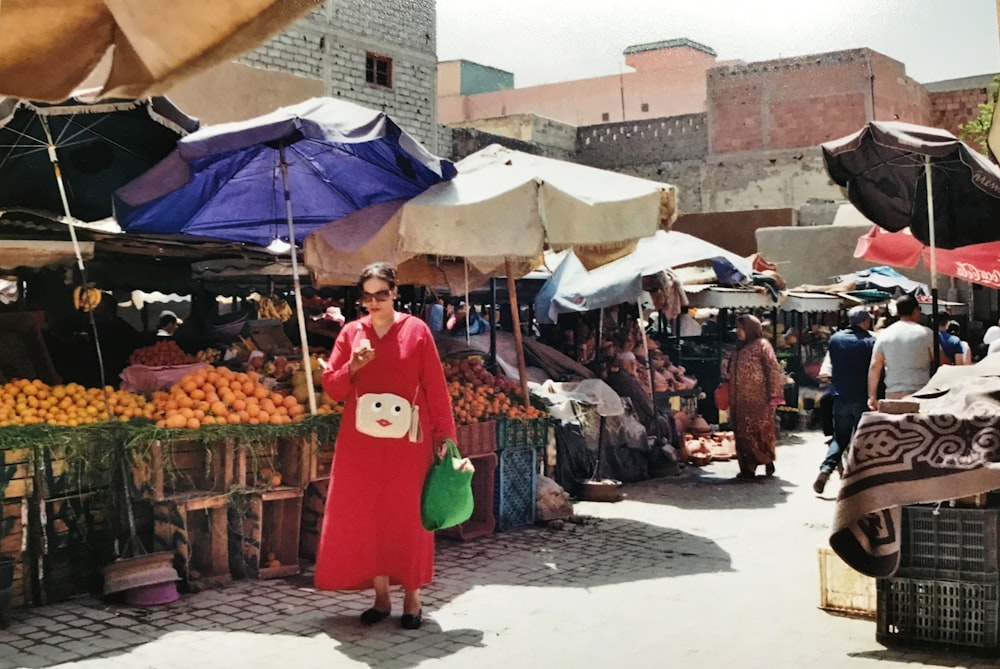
x=949 y=450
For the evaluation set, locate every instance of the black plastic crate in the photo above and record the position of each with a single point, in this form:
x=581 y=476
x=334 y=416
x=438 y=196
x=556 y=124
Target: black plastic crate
x=950 y=543
x=922 y=612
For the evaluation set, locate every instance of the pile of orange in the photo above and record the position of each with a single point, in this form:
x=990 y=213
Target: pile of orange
x=31 y=402
x=164 y=353
x=218 y=395
x=477 y=395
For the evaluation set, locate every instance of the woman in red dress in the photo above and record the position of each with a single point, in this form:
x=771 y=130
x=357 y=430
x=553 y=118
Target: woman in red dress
x=386 y=369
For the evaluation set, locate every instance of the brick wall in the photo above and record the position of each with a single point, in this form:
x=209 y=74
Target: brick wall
x=950 y=109
x=613 y=145
x=331 y=43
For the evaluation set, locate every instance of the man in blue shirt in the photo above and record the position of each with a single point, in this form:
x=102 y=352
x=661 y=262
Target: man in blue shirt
x=850 y=354
x=950 y=346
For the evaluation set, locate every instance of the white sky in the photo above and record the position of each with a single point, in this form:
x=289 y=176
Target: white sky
x=543 y=41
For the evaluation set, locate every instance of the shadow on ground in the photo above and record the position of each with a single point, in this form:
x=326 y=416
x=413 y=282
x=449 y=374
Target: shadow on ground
x=583 y=552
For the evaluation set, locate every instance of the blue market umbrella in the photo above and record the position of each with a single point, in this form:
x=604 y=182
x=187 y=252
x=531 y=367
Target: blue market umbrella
x=278 y=177
x=226 y=181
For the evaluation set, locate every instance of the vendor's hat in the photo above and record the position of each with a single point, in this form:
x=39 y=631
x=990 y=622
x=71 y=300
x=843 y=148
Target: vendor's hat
x=858 y=315
x=168 y=312
x=992 y=334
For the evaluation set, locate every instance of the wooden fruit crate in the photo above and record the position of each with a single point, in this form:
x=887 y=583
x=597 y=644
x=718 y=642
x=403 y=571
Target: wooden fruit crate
x=195 y=527
x=13 y=539
x=184 y=468
x=268 y=523
x=323 y=459
x=292 y=458
x=842 y=589
x=313 y=509
x=15 y=473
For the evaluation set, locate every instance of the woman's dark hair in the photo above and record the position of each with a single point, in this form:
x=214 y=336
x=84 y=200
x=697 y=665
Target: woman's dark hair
x=167 y=319
x=378 y=270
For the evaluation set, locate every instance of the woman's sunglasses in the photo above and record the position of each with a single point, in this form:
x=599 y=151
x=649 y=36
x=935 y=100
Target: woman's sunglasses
x=378 y=296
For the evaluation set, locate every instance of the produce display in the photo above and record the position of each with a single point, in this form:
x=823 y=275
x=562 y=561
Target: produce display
x=217 y=395
x=274 y=307
x=161 y=354
x=477 y=395
x=26 y=402
x=86 y=298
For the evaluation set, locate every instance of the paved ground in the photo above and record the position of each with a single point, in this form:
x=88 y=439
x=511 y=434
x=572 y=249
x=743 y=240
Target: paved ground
x=695 y=571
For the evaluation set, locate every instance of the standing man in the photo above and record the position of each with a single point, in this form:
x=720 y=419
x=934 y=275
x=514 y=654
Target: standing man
x=950 y=348
x=905 y=350
x=850 y=355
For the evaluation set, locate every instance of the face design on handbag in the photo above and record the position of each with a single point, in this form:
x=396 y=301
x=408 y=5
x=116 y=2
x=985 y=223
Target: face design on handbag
x=383 y=415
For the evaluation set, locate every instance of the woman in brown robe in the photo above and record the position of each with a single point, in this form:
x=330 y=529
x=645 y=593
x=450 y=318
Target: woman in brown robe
x=756 y=387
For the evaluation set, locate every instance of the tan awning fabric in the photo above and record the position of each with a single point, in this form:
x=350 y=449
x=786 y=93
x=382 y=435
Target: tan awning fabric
x=50 y=47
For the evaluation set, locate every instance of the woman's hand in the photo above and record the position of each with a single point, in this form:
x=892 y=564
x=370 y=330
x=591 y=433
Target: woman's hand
x=441 y=449
x=775 y=401
x=362 y=355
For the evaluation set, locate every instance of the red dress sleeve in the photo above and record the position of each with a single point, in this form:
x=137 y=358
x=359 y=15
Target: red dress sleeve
x=337 y=376
x=442 y=421
x=772 y=372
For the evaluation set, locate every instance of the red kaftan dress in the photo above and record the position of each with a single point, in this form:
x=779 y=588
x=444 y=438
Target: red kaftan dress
x=372 y=522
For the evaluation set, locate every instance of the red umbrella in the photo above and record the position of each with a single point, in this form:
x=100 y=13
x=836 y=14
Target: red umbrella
x=978 y=263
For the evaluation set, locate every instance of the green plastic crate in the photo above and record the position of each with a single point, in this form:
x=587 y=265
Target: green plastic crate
x=515 y=433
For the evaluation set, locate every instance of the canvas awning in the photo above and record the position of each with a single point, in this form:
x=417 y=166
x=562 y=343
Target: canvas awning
x=36 y=253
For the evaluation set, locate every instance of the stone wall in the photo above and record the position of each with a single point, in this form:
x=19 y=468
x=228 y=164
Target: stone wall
x=465 y=141
x=331 y=43
x=950 y=109
x=613 y=145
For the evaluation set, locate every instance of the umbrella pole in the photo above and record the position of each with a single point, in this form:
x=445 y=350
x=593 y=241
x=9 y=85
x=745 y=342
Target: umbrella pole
x=934 y=286
x=300 y=313
x=54 y=159
x=493 y=320
x=515 y=314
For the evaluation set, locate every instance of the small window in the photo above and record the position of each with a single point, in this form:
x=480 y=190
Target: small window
x=605 y=116
x=645 y=106
x=378 y=70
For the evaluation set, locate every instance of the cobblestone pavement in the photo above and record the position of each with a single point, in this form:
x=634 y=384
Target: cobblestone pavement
x=693 y=571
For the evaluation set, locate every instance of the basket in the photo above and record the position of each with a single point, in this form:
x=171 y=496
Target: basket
x=950 y=543
x=514 y=491
x=516 y=433
x=915 y=612
x=482 y=522
x=477 y=438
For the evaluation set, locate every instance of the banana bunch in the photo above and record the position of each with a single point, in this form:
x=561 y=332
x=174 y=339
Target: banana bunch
x=86 y=298
x=274 y=307
x=209 y=355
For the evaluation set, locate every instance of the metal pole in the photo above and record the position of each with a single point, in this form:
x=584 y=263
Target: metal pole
x=297 y=287
x=54 y=159
x=493 y=320
x=515 y=313
x=934 y=288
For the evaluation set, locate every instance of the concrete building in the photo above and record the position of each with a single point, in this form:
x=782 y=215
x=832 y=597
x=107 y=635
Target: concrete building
x=378 y=53
x=668 y=79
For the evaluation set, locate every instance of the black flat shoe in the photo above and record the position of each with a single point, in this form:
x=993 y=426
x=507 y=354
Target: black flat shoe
x=372 y=616
x=412 y=621
x=769 y=469
x=746 y=476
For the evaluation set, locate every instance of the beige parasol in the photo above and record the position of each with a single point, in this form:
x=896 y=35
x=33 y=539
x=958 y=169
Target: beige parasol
x=50 y=47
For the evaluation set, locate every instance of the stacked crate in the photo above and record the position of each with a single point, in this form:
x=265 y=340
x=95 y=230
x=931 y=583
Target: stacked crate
x=188 y=487
x=266 y=520
x=514 y=490
x=478 y=442
x=947 y=588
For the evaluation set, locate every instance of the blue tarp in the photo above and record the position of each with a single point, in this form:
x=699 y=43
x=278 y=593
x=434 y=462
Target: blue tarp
x=885 y=278
x=571 y=288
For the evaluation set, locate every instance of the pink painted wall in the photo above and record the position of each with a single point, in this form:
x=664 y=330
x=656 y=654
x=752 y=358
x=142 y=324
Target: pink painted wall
x=670 y=81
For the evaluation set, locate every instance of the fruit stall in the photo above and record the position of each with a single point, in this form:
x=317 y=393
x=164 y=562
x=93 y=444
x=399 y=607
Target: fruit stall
x=223 y=469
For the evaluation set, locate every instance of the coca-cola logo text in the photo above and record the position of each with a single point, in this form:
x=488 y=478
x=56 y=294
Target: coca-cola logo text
x=969 y=272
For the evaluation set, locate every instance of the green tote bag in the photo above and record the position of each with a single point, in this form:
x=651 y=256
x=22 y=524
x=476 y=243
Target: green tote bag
x=447 y=496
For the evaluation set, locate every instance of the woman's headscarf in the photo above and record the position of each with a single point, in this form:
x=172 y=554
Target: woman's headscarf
x=752 y=328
